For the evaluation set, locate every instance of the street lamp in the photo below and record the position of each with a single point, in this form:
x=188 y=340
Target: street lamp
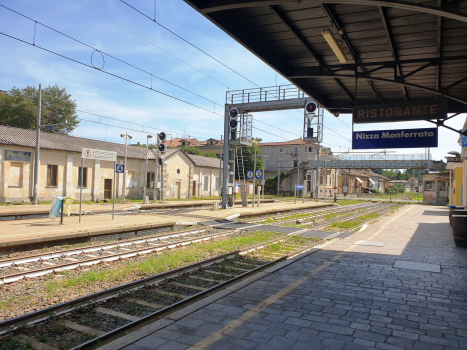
x=325 y=178
x=126 y=136
x=257 y=140
x=146 y=177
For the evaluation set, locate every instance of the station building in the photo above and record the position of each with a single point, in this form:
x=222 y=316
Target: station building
x=184 y=176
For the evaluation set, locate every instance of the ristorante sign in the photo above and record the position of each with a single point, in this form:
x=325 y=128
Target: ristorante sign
x=400 y=112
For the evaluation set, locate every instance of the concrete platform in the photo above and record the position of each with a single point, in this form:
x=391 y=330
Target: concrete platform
x=342 y=296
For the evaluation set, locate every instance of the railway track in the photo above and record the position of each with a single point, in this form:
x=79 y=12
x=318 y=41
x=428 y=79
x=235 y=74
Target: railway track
x=99 y=318
x=282 y=218
x=12 y=270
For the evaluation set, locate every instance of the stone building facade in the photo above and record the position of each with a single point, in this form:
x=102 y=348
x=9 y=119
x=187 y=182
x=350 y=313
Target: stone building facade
x=60 y=164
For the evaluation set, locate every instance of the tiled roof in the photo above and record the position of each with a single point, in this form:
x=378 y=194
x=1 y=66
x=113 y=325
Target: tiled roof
x=205 y=161
x=177 y=142
x=284 y=143
x=27 y=138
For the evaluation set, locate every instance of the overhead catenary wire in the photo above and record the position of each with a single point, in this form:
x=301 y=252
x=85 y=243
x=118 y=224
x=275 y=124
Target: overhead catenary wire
x=151 y=43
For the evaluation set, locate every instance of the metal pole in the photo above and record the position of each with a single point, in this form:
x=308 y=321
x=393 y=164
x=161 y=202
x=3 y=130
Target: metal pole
x=254 y=179
x=125 y=170
x=113 y=190
x=317 y=174
x=263 y=184
x=225 y=172
x=220 y=168
x=156 y=168
x=146 y=172
x=278 y=178
x=81 y=188
x=325 y=180
x=36 y=155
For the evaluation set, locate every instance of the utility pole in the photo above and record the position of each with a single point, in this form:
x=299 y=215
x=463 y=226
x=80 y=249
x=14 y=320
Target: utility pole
x=278 y=176
x=126 y=136
x=156 y=171
x=146 y=177
x=254 y=178
x=317 y=174
x=36 y=155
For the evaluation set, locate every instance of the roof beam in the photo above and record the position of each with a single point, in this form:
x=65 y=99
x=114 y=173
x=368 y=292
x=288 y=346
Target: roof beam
x=280 y=15
x=439 y=44
x=387 y=31
x=319 y=72
x=334 y=21
x=449 y=11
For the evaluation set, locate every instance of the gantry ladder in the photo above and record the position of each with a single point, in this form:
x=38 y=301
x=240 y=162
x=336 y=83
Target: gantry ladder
x=241 y=175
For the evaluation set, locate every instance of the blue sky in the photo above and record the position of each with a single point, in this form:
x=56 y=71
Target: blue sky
x=149 y=47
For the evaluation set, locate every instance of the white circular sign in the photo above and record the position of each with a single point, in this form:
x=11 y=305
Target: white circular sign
x=249 y=174
x=258 y=173
x=119 y=168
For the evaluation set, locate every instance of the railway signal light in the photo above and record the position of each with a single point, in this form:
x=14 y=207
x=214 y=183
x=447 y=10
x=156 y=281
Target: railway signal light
x=311 y=107
x=233 y=123
x=162 y=148
x=162 y=136
x=233 y=113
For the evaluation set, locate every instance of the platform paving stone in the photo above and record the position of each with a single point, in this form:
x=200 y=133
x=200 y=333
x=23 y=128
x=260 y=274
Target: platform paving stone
x=348 y=296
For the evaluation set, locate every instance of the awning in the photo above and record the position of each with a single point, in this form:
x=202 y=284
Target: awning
x=359 y=180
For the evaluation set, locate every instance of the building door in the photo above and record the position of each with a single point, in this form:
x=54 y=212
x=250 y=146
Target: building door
x=177 y=190
x=195 y=184
x=108 y=189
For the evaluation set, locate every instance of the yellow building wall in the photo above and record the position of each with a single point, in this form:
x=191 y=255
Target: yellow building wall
x=457 y=186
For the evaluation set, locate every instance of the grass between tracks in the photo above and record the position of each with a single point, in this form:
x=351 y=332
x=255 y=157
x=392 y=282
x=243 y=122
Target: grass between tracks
x=356 y=222
x=167 y=260
x=25 y=296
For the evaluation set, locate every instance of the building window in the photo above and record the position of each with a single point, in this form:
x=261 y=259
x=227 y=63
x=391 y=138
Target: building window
x=267 y=150
x=295 y=163
x=295 y=150
x=85 y=177
x=267 y=164
x=16 y=175
x=281 y=164
x=429 y=186
x=281 y=149
x=217 y=182
x=206 y=183
x=211 y=143
x=310 y=149
x=441 y=186
x=52 y=173
x=183 y=143
x=321 y=180
x=150 y=180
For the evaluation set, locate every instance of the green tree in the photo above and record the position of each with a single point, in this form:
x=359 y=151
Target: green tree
x=398 y=188
x=326 y=150
x=19 y=109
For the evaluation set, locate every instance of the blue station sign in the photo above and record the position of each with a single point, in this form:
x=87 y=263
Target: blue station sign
x=18 y=155
x=401 y=138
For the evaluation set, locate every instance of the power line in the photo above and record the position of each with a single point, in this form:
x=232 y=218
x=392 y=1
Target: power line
x=151 y=43
x=191 y=44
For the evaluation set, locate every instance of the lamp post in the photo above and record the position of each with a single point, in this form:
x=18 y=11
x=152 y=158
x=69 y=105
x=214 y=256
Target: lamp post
x=146 y=177
x=126 y=136
x=254 y=172
x=278 y=175
x=325 y=178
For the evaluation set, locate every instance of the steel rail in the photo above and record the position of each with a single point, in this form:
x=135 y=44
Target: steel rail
x=68 y=306
x=92 y=261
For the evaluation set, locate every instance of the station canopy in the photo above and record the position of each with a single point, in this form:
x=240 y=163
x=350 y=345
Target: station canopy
x=348 y=52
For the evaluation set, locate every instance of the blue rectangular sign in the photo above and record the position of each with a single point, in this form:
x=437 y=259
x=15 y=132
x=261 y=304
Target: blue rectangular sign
x=463 y=139
x=17 y=155
x=400 y=138
x=300 y=187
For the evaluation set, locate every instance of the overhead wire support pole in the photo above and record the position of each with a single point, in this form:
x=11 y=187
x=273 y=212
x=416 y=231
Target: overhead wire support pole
x=37 y=150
